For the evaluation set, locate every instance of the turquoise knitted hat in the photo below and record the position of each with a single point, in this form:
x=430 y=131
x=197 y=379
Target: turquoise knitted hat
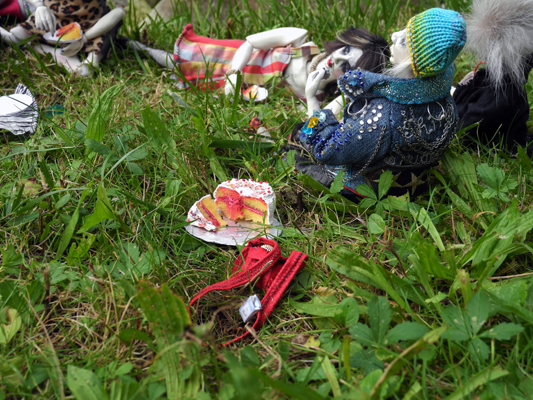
x=435 y=37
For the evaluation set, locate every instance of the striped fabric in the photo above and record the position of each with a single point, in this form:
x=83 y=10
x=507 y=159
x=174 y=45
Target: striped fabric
x=198 y=56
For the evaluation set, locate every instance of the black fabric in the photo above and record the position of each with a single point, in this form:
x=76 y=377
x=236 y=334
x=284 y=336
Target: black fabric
x=6 y=20
x=121 y=43
x=412 y=179
x=314 y=170
x=109 y=38
x=501 y=115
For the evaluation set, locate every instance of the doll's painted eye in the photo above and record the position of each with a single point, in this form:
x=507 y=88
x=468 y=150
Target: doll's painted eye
x=346 y=50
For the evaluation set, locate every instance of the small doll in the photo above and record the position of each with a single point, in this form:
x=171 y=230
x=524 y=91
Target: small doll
x=98 y=25
x=500 y=33
x=282 y=53
x=402 y=120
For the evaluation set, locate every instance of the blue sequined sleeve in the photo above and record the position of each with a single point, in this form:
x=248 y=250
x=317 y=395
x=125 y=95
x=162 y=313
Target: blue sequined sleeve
x=356 y=141
x=318 y=128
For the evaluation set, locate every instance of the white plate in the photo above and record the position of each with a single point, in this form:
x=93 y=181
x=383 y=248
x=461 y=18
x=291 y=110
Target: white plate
x=236 y=233
x=49 y=37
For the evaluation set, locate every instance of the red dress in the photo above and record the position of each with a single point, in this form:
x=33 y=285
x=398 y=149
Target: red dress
x=198 y=56
x=12 y=8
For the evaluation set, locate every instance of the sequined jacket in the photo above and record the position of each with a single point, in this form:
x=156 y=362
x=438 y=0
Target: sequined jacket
x=391 y=120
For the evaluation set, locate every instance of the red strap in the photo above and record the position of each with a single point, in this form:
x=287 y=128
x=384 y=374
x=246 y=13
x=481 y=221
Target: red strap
x=253 y=261
x=275 y=274
x=282 y=274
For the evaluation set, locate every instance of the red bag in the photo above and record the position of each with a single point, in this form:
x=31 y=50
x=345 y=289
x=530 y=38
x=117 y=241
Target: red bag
x=261 y=263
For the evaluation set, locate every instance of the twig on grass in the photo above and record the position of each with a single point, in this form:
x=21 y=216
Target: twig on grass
x=268 y=349
x=496 y=278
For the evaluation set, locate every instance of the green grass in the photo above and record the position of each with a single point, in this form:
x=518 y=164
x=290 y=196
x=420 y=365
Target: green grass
x=401 y=298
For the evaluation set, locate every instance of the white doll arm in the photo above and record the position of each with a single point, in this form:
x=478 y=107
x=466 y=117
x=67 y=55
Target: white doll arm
x=279 y=37
x=104 y=25
x=242 y=56
x=240 y=59
x=336 y=105
x=44 y=18
x=311 y=88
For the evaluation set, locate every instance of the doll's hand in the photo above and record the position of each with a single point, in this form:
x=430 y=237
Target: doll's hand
x=311 y=87
x=74 y=48
x=313 y=82
x=231 y=83
x=44 y=18
x=468 y=77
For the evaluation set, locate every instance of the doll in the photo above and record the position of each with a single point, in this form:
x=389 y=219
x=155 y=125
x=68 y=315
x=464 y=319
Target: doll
x=402 y=120
x=500 y=32
x=97 y=23
x=282 y=53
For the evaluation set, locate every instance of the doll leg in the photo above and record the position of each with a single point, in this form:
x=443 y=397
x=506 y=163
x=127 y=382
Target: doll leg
x=18 y=33
x=92 y=61
x=15 y=35
x=70 y=63
x=159 y=56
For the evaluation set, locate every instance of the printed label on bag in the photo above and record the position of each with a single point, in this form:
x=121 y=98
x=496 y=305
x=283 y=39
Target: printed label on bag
x=251 y=306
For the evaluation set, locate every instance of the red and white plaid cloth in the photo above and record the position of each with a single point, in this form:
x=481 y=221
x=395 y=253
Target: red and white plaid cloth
x=196 y=54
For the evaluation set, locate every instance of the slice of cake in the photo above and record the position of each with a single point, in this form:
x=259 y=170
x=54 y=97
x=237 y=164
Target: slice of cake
x=205 y=215
x=251 y=92
x=229 y=202
x=245 y=199
x=69 y=32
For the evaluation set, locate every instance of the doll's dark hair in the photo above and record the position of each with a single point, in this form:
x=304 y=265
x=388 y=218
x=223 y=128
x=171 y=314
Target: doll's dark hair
x=375 y=49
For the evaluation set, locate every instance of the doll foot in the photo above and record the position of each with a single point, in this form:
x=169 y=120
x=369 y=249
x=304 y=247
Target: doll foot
x=82 y=70
x=87 y=67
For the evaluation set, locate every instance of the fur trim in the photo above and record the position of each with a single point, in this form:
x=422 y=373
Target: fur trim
x=402 y=70
x=500 y=32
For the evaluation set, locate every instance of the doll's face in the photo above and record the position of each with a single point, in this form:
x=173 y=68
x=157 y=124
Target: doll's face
x=399 y=49
x=343 y=60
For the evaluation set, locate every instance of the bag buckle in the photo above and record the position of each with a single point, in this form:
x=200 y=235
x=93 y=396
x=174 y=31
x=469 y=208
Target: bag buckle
x=251 y=306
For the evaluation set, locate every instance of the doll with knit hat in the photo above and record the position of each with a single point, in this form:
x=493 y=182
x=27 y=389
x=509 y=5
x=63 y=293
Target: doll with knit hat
x=402 y=120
